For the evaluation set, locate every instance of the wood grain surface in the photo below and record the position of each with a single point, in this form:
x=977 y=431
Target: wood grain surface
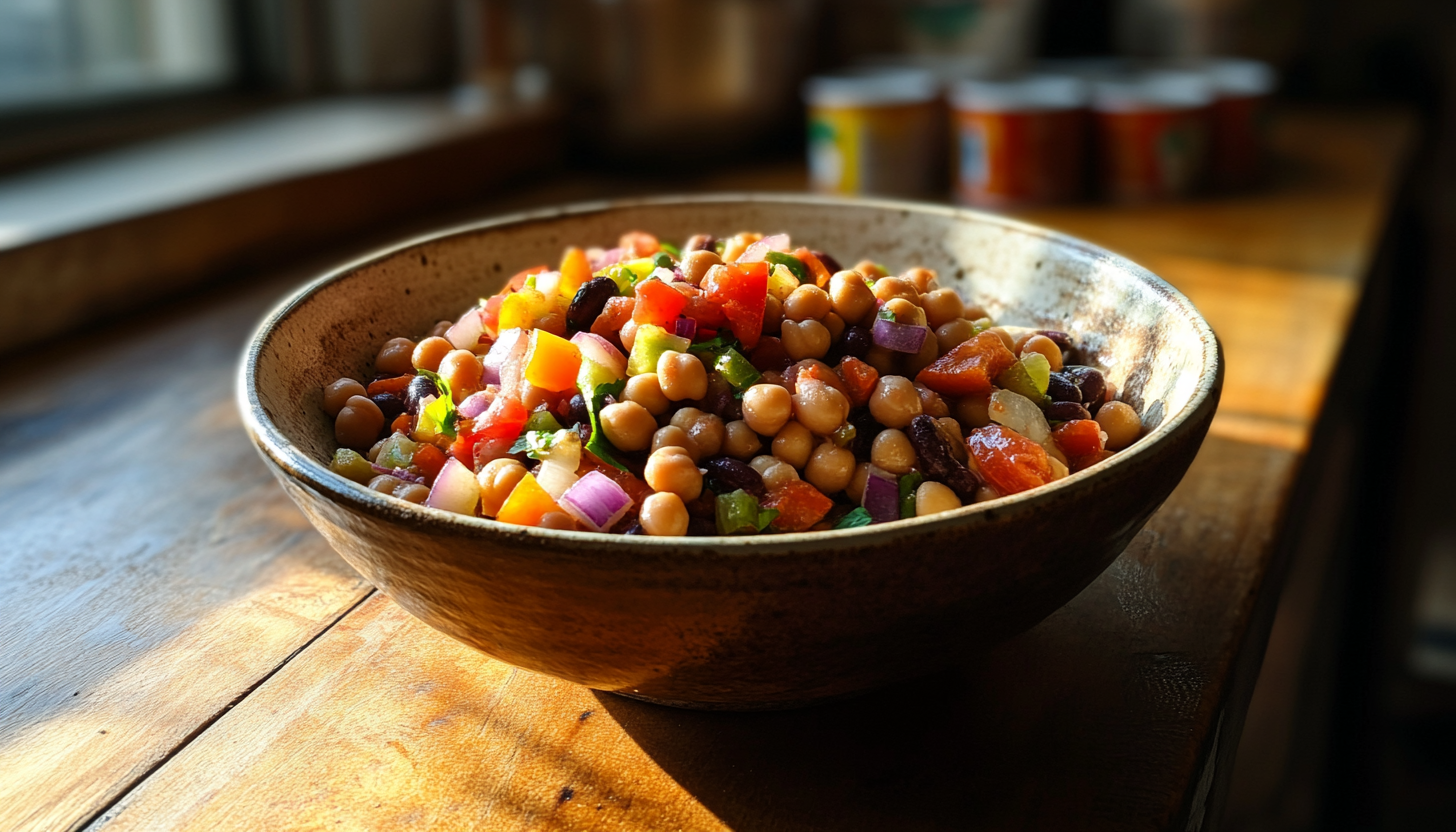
x=156 y=584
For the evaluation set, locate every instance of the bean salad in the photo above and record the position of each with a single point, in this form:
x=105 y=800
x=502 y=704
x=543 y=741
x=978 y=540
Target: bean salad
x=734 y=386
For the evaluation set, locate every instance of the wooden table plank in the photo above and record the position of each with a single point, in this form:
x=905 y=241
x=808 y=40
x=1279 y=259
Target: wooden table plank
x=152 y=572
x=1091 y=720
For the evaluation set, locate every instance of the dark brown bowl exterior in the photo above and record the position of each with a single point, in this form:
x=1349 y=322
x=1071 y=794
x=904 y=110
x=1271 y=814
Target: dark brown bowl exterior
x=741 y=623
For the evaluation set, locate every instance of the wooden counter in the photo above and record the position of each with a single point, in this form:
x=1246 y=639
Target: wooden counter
x=180 y=649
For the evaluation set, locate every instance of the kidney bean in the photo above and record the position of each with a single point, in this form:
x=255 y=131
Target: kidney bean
x=936 y=459
x=389 y=404
x=590 y=299
x=1093 y=387
x=576 y=410
x=856 y=341
x=829 y=262
x=1063 y=388
x=419 y=388
x=726 y=474
x=1066 y=412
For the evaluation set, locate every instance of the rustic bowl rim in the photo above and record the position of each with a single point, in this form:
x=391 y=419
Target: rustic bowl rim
x=276 y=447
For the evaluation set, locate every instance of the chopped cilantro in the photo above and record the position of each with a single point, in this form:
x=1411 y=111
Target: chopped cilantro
x=855 y=519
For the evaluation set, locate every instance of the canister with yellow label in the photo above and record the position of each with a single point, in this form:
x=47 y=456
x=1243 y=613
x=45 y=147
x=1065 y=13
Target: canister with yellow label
x=876 y=132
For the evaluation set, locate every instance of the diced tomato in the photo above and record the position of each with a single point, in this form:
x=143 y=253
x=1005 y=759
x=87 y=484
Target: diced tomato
x=490 y=315
x=657 y=303
x=396 y=384
x=969 y=368
x=505 y=417
x=800 y=505
x=769 y=355
x=1078 y=463
x=638 y=244
x=574 y=270
x=615 y=315
x=528 y=503
x=742 y=290
x=429 y=460
x=1010 y=462
x=1078 y=437
x=859 y=379
x=707 y=313
x=816 y=266
x=518 y=280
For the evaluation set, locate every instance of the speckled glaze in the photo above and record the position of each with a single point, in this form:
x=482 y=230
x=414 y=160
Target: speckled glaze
x=742 y=623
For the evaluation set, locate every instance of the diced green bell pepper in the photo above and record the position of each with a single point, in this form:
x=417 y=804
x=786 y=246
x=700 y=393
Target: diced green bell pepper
x=652 y=341
x=737 y=370
x=351 y=465
x=398 y=451
x=792 y=263
x=738 y=512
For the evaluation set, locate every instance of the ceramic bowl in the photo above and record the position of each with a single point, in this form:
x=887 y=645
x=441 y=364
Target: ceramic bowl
x=742 y=622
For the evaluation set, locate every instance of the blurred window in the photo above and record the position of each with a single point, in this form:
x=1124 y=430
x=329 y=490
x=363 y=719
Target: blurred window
x=74 y=52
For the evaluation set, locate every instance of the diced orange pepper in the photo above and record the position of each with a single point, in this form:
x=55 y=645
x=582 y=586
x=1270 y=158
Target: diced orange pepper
x=816 y=266
x=527 y=504
x=396 y=384
x=968 y=369
x=401 y=424
x=657 y=303
x=859 y=379
x=575 y=270
x=429 y=459
x=1079 y=437
x=800 y=505
x=1010 y=462
x=552 y=362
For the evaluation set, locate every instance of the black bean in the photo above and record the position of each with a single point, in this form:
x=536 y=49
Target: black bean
x=699 y=242
x=590 y=299
x=935 y=459
x=389 y=404
x=1066 y=412
x=1061 y=339
x=1094 y=388
x=726 y=475
x=419 y=388
x=635 y=528
x=856 y=341
x=1063 y=388
x=829 y=262
x=865 y=431
x=576 y=410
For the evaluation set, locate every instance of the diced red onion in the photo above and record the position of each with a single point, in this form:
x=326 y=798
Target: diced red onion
x=500 y=352
x=759 y=250
x=666 y=275
x=475 y=404
x=600 y=350
x=899 y=337
x=455 y=489
x=881 y=496
x=596 y=501
x=686 y=328
x=398 y=473
x=465 y=333
x=610 y=257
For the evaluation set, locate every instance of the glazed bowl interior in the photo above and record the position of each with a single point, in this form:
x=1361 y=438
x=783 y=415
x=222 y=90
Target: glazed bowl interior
x=733 y=622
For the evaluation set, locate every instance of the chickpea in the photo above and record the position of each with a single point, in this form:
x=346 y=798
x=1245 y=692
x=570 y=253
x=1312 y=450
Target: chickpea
x=871 y=269
x=942 y=306
x=931 y=404
x=933 y=498
x=953 y=333
x=740 y=441
x=793 y=444
x=394 y=358
x=835 y=325
x=819 y=407
x=628 y=335
x=986 y=493
x=766 y=408
x=664 y=515
x=929 y=351
x=778 y=475
x=338 y=394
x=805 y=339
x=773 y=315
x=851 y=297
x=973 y=411
x=830 y=468
x=695 y=264
x=497 y=480
x=974 y=312
x=412 y=492
x=924 y=280
x=1119 y=421
x=430 y=352
x=559 y=520
x=672 y=469
x=808 y=302
x=889 y=288
x=905 y=312
x=358 y=423
x=681 y=376
x=895 y=401
x=385 y=484
x=672 y=436
x=461 y=370
x=1000 y=332
x=645 y=390
x=856 y=487
x=886 y=362
x=893 y=452
x=1045 y=346
x=374 y=449
x=704 y=429
x=628 y=426
x=762 y=463
x=440 y=328
x=951 y=427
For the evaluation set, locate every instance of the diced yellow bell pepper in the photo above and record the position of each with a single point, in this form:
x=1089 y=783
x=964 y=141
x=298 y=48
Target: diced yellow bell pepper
x=521 y=309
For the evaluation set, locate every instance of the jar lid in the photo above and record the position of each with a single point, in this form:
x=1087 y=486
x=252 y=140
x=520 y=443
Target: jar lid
x=1241 y=77
x=1031 y=93
x=870 y=88
x=1158 y=90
